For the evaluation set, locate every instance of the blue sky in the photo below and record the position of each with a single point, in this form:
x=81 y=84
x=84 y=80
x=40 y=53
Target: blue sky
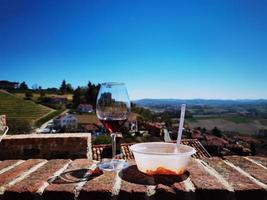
x=160 y=49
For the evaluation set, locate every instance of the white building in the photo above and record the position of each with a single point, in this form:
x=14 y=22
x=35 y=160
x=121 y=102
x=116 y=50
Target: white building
x=66 y=121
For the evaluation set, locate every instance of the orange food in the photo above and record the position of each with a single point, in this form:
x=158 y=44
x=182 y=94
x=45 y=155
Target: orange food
x=162 y=170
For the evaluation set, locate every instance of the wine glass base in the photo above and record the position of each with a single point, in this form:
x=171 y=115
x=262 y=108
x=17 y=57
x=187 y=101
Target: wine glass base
x=112 y=164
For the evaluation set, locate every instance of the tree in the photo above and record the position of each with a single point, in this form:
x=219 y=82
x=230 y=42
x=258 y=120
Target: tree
x=19 y=126
x=63 y=87
x=77 y=97
x=42 y=93
x=102 y=139
x=253 y=148
x=23 y=86
x=217 y=132
x=203 y=130
x=69 y=88
x=88 y=93
x=91 y=93
x=53 y=89
x=28 y=95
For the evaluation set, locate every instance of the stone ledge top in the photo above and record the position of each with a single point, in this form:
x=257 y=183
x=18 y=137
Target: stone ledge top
x=232 y=177
x=38 y=136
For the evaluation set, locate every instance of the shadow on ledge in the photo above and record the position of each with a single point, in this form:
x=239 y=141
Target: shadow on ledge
x=133 y=175
x=75 y=176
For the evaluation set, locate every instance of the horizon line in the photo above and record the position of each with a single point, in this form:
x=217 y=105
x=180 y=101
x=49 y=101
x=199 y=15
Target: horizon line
x=220 y=99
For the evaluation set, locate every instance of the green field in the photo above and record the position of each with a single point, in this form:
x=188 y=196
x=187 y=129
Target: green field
x=16 y=108
x=226 y=123
x=231 y=118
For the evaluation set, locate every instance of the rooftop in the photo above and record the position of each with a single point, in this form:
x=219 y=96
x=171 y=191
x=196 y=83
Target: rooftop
x=100 y=151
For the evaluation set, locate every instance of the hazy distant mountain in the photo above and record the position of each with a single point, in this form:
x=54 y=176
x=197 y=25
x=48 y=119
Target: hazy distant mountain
x=192 y=102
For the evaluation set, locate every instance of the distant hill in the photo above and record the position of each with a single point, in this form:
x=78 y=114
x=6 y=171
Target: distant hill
x=17 y=108
x=200 y=102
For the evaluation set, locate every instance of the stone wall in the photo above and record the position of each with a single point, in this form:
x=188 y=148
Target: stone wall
x=46 y=146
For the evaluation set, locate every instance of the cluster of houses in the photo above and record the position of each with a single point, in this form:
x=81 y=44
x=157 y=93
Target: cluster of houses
x=72 y=122
x=221 y=146
x=68 y=120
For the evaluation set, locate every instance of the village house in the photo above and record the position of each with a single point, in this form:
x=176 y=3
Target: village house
x=58 y=100
x=66 y=121
x=196 y=134
x=132 y=123
x=155 y=128
x=85 y=108
x=8 y=85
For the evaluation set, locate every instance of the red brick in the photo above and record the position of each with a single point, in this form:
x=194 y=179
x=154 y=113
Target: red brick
x=165 y=192
x=182 y=192
x=261 y=160
x=133 y=184
x=206 y=189
x=99 y=187
x=27 y=188
x=6 y=163
x=253 y=169
x=243 y=187
x=15 y=172
x=64 y=186
x=168 y=186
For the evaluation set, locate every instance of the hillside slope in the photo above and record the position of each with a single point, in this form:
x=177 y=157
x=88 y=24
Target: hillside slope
x=16 y=108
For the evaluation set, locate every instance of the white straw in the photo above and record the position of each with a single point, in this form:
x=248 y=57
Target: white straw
x=181 y=125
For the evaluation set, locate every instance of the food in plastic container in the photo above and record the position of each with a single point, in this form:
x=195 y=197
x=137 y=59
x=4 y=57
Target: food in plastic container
x=162 y=158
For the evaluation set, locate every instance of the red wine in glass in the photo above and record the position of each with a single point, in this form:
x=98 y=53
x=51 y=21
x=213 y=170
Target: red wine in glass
x=112 y=109
x=113 y=126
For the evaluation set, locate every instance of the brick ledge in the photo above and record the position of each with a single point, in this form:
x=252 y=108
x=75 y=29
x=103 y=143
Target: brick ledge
x=232 y=177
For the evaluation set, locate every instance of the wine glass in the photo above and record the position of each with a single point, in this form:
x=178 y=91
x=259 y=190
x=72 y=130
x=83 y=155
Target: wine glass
x=112 y=109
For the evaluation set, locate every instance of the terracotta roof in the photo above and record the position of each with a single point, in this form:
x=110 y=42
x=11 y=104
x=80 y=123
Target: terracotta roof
x=64 y=115
x=61 y=116
x=214 y=140
x=196 y=144
x=102 y=151
x=85 y=106
x=196 y=135
x=97 y=150
x=247 y=139
x=90 y=127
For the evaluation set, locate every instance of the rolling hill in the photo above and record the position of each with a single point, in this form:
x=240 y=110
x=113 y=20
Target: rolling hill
x=17 y=108
x=199 y=102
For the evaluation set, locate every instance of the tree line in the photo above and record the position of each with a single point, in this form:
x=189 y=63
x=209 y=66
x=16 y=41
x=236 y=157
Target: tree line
x=64 y=88
x=86 y=94
x=82 y=94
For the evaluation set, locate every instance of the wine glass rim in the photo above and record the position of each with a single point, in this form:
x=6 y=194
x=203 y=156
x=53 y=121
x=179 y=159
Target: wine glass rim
x=112 y=83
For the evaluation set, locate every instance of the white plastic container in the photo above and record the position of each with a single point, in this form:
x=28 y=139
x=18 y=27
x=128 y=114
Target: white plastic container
x=161 y=157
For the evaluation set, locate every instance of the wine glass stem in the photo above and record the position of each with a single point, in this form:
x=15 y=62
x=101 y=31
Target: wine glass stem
x=113 y=140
